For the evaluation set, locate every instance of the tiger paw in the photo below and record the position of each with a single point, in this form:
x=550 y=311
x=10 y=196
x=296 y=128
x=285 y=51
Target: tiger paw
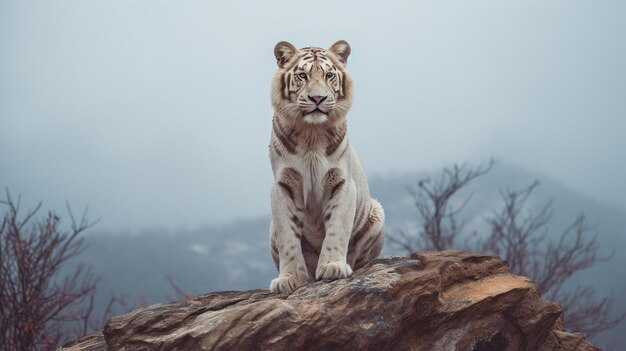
x=286 y=283
x=333 y=270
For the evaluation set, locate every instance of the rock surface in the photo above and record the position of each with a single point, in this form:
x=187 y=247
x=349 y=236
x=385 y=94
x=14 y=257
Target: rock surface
x=448 y=300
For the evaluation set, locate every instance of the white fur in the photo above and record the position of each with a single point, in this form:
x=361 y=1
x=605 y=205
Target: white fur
x=307 y=175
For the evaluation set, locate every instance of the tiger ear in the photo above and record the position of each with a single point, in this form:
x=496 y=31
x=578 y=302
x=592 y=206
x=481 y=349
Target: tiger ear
x=342 y=50
x=284 y=51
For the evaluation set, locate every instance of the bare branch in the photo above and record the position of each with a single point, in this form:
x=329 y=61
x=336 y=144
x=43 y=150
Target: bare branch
x=519 y=234
x=439 y=227
x=40 y=303
x=180 y=293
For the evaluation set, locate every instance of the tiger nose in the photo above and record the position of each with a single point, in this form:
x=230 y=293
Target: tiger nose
x=317 y=99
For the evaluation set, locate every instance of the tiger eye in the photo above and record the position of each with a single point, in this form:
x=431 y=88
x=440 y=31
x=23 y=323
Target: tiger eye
x=329 y=75
x=302 y=75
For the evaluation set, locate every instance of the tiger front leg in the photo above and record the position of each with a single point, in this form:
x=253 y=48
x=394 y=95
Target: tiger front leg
x=286 y=231
x=339 y=210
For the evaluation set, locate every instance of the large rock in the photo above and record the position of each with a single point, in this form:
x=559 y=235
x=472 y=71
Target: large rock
x=448 y=300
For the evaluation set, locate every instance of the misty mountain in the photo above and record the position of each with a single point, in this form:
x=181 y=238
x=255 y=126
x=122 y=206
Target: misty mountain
x=236 y=256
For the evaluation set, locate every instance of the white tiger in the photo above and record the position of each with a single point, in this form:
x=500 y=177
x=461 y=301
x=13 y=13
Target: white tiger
x=324 y=222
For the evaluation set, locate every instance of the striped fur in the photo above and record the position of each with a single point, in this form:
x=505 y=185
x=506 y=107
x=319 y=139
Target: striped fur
x=324 y=222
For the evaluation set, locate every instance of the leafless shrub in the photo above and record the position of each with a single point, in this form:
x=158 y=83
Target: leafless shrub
x=41 y=305
x=521 y=238
x=439 y=226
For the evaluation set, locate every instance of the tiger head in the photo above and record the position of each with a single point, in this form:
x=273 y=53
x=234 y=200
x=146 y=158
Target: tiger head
x=311 y=84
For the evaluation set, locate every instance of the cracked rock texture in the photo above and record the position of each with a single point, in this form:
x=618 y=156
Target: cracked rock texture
x=447 y=300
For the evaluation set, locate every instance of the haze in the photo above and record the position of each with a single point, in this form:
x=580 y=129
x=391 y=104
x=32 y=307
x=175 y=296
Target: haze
x=157 y=113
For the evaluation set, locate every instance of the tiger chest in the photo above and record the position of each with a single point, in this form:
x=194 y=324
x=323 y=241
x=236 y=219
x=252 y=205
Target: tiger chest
x=313 y=166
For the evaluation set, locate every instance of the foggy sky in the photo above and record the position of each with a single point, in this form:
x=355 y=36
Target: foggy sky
x=157 y=113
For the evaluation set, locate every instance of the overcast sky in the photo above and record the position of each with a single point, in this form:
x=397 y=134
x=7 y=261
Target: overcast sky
x=157 y=113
